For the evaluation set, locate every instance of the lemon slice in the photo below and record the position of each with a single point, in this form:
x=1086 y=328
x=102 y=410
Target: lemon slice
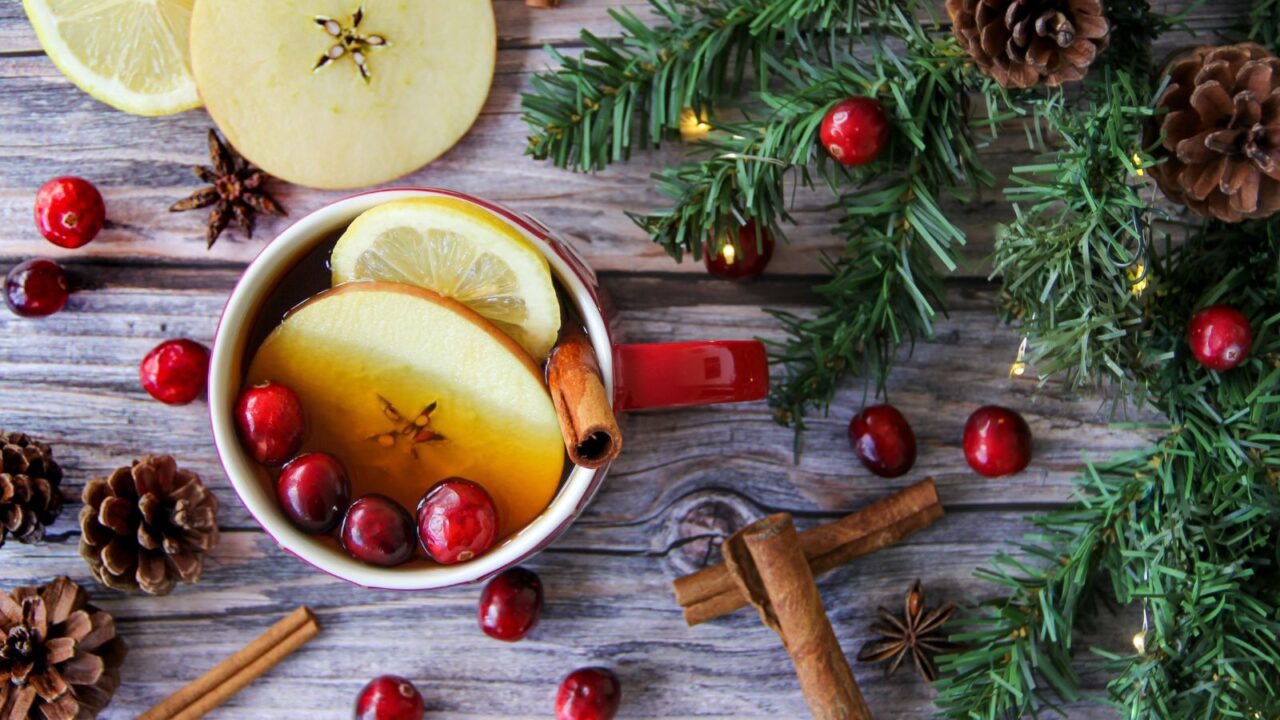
x=461 y=251
x=130 y=54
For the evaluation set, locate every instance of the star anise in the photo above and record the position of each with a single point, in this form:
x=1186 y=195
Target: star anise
x=235 y=189
x=418 y=430
x=917 y=633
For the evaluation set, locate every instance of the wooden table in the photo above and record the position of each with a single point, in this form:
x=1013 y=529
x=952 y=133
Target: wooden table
x=685 y=480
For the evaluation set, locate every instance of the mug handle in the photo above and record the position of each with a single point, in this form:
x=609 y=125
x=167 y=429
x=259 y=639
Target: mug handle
x=667 y=375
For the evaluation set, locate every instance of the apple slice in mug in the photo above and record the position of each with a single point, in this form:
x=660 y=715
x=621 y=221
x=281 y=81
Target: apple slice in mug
x=407 y=387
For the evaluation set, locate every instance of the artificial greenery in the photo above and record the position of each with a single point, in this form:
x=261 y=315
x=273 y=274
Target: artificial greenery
x=1100 y=281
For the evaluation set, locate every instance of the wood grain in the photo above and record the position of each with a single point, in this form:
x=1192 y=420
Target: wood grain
x=141 y=175
x=686 y=480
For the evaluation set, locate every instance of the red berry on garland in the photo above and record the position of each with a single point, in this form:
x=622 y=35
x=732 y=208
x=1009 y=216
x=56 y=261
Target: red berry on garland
x=997 y=441
x=36 y=288
x=855 y=131
x=883 y=440
x=510 y=604
x=390 y=697
x=175 y=371
x=588 y=694
x=376 y=530
x=69 y=211
x=744 y=261
x=457 y=521
x=1220 y=337
x=314 y=491
x=271 y=424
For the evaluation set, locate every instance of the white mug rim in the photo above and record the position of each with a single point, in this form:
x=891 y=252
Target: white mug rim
x=245 y=475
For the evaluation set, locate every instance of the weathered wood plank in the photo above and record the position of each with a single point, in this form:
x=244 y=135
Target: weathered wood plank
x=72 y=379
x=518 y=25
x=601 y=609
x=141 y=165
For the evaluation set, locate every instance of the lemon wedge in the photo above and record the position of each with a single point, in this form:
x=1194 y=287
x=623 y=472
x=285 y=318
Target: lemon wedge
x=130 y=54
x=460 y=251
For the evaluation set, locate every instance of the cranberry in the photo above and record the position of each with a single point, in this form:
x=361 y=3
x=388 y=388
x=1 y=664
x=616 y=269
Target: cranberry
x=271 y=424
x=36 y=288
x=744 y=262
x=997 y=441
x=510 y=604
x=883 y=440
x=1220 y=337
x=855 y=131
x=69 y=211
x=378 y=531
x=588 y=694
x=457 y=521
x=390 y=697
x=175 y=371
x=314 y=491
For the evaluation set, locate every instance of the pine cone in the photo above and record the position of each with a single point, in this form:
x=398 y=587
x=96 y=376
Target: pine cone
x=147 y=526
x=29 y=488
x=1022 y=43
x=60 y=657
x=1221 y=143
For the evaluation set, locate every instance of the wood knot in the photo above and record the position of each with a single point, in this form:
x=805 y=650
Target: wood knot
x=699 y=524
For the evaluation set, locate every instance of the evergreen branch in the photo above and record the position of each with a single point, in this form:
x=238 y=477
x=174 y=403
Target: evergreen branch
x=1211 y=647
x=630 y=90
x=1264 y=23
x=1076 y=260
x=1188 y=530
x=886 y=290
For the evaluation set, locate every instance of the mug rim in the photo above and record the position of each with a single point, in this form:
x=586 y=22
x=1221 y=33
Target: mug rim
x=249 y=479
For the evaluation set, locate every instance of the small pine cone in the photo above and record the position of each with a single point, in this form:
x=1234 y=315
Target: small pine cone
x=147 y=526
x=1022 y=43
x=59 y=656
x=30 y=497
x=1221 y=132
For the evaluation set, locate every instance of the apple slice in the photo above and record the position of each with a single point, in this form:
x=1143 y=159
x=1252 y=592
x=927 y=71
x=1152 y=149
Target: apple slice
x=343 y=93
x=408 y=388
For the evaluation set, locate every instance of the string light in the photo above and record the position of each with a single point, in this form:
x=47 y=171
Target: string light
x=1019 y=366
x=1138 y=278
x=693 y=127
x=1140 y=642
x=1137 y=166
x=728 y=252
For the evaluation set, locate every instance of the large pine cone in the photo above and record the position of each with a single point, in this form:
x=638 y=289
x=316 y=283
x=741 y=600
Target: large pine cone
x=148 y=526
x=60 y=658
x=30 y=497
x=1221 y=131
x=1021 y=43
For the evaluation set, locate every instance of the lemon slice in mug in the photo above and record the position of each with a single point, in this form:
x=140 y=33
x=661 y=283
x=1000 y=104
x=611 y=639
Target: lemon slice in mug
x=130 y=54
x=461 y=251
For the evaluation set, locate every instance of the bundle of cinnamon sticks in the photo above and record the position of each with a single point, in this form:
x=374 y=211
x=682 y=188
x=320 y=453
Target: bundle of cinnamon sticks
x=772 y=567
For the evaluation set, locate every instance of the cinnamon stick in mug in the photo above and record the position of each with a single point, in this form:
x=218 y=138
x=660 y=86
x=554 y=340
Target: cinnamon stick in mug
x=711 y=592
x=590 y=429
x=767 y=564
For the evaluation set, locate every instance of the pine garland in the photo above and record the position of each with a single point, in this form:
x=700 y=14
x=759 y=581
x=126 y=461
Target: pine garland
x=1188 y=528
x=1101 y=283
x=885 y=290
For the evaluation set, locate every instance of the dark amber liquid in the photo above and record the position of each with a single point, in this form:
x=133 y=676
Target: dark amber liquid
x=311 y=276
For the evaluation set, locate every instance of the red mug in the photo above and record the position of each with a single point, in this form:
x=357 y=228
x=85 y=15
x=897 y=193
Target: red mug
x=639 y=376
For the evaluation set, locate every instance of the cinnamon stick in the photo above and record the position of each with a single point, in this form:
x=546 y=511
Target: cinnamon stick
x=590 y=429
x=767 y=563
x=231 y=675
x=542 y=3
x=711 y=592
